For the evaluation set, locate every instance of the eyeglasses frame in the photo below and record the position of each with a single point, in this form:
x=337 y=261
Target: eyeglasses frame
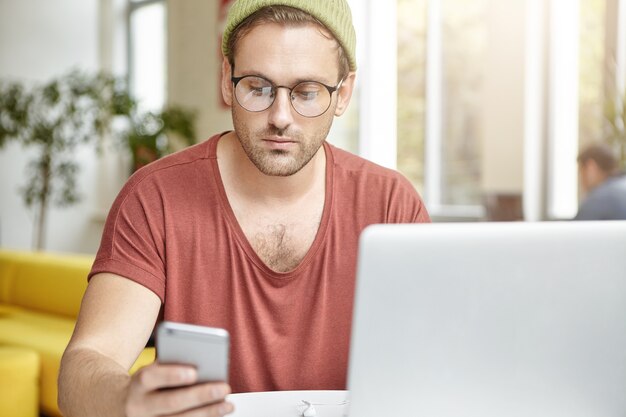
x=331 y=90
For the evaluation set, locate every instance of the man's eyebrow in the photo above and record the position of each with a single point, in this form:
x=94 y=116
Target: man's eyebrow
x=296 y=81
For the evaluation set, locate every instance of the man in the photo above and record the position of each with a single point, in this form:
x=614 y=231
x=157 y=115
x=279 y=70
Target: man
x=603 y=183
x=254 y=230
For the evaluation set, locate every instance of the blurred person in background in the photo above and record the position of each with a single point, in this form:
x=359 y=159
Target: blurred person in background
x=603 y=183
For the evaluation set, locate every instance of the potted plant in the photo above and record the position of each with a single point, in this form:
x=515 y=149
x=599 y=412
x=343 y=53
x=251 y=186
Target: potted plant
x=75 y=109
x=153 y=135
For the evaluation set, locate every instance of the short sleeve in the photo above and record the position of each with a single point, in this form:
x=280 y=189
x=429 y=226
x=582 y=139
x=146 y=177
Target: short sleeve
x=405 y=204
x=133 y=243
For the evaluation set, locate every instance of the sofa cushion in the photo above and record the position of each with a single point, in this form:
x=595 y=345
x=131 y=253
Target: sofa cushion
x=19 y=382
x=48 y=335
x=49 y=283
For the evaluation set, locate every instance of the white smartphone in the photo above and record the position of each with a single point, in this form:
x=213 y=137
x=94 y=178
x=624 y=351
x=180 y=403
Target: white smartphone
x=206 y=348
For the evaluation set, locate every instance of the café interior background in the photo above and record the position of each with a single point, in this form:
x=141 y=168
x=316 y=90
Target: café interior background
x=482 y=104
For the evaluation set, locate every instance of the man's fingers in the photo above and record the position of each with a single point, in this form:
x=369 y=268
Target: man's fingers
x=160 y=389
x=158 y=376
x=179 y=400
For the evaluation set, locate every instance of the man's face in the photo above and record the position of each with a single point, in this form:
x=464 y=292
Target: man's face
x=590 y=175
x=278 y=140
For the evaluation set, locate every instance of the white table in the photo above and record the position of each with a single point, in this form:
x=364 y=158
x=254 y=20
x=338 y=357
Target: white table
x=289 y=403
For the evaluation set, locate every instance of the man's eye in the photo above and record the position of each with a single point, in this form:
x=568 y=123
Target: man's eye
x=260 y=91
x=306 y=95
x=309 y=91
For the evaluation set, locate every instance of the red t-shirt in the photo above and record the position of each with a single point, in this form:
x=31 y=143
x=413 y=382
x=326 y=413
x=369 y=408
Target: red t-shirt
x=172 y=230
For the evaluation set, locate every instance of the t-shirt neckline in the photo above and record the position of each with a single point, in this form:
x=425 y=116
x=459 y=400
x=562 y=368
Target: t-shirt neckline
x=241 y=237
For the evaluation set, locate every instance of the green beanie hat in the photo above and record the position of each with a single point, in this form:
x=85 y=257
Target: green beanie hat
x=334 y=14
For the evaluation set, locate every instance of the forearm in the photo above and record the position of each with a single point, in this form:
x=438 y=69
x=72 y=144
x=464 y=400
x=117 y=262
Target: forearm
x=91 y=384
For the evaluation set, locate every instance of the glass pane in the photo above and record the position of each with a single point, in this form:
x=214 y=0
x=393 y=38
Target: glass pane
x=147 y=73
x=592 y=35
x=411 y=89
x=464 y=31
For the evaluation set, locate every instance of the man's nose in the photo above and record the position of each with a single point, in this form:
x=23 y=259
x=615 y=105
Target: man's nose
x=281 y=115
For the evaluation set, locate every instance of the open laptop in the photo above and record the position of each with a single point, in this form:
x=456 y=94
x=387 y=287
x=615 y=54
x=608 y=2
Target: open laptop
x=490 y=320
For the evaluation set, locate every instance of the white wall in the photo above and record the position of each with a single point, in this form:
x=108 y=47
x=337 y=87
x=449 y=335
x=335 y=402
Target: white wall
x=194 y=63
x=41 y=39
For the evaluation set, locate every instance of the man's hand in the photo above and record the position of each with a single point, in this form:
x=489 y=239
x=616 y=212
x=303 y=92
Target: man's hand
x=169 y=390
x=116 y=318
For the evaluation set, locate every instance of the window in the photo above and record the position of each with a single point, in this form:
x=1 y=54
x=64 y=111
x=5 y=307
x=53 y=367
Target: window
x=147 y=52
x=592 y=69
x=412 y=89
x=441 y=51
x=446 y=77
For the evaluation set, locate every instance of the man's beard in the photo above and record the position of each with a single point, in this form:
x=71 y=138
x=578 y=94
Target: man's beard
x=277 y=162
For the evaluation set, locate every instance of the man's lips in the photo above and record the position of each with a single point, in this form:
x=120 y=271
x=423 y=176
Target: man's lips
x=279 y=143
x=279 y=140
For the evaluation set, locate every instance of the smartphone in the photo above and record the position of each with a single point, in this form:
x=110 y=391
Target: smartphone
x=206 y=348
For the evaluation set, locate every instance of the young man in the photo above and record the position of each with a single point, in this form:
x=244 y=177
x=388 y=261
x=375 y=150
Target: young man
x=603 y=183
x=254 y=230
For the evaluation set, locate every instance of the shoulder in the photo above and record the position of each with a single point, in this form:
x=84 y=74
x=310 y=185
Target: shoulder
x=175 y=162
x=617 y=183
x=612 y=189
x=607 y=201
x=350 y=167
x=371 y=187
x=169 y=178
x=351 y=164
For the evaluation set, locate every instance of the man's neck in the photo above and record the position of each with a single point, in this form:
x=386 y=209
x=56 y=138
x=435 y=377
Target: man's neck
x=244 y=178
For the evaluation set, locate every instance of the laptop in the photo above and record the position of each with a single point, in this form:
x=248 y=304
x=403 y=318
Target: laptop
x=490 y=320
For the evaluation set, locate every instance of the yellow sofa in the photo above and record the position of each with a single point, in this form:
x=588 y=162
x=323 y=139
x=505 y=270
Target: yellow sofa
x=40 y=296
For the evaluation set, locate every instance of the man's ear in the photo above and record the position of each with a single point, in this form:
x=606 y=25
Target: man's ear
x=227 y=85
x=344 y=94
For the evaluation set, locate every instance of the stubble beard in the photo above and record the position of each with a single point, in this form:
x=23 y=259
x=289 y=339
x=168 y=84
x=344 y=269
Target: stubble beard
x=280 y=163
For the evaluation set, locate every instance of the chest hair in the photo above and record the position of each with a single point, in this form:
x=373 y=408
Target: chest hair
x=282 y=244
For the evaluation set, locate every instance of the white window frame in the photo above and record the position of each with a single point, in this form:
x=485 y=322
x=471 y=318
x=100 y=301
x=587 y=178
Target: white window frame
x=434 y=107
x=534 y=108
x=378 y=96
x=563 y=107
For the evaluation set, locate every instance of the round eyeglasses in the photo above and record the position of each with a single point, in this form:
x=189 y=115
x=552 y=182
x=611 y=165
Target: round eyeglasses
x=308 y=98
